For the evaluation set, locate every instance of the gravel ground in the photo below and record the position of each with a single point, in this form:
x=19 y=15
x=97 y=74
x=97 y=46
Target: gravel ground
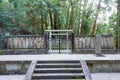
x=91 y=57
x=106 y=76
x=95 y=76
x=12 y=77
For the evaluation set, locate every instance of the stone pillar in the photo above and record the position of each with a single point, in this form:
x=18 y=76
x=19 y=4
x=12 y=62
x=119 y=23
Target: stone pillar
x=98 y=51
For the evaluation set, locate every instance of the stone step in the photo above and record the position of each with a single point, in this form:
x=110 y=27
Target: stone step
x=59 y=61
x=58 y=70
x=58 y=76
x=58 y=79
x=57 y=65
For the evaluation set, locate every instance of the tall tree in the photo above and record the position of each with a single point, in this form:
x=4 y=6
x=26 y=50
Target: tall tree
x=34 y=16
x=96 y=17
x=118 y=23
x=49 y=6
x=84 y=18
x=71 y=22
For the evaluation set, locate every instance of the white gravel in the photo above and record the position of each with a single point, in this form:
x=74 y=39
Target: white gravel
x=59 y=57
x=12 y=77
x=106 y=76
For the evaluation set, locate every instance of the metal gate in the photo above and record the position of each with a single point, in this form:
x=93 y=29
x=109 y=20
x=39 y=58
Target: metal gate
x=59 y=41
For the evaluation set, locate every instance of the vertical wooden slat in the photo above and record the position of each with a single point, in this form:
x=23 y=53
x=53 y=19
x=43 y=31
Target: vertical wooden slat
x=83 y=42
x=85 y=39
x=40 y=43
x=92 y=42
x=105 y=39
x=112 y=42
x=109 y=43
x=102 y=42
x=80 y=43
x=89 y=43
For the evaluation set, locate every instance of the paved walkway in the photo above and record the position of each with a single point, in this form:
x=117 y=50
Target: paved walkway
x=59 y=57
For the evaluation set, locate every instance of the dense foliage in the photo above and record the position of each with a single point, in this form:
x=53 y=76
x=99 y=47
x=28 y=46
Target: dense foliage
x=35 y=16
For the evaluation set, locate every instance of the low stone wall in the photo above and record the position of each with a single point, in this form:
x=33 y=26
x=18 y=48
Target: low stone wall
x=42 y=51
x=15 y=67
x=84 y=51
x=22 y=51
x=91 y=51
x=104 y=66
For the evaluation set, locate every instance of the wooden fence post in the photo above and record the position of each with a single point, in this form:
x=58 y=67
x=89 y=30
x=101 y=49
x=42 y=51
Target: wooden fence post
x=73 y=43
x=46 y=42
x=98 y=50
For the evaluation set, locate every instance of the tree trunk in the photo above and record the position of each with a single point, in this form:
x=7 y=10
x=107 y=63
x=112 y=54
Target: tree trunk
x=34 y=23
x=42 y=25
x=79 y=22
x=71 y=23
x=50 y=15
x=46 y=23
x=118 y=16
x=84 y=18
x=68 y=16
x=95 y=21
x=117 y=30
x=55 y=20
x=51 y=19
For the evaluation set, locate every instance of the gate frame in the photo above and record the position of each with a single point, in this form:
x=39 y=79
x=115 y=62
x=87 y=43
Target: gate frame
x=48 y=35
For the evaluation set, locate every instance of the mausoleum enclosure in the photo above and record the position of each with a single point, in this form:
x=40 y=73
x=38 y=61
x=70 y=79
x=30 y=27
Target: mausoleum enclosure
x=65 y=40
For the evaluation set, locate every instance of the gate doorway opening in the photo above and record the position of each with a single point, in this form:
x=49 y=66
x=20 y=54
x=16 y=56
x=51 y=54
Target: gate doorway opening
x=59 y=41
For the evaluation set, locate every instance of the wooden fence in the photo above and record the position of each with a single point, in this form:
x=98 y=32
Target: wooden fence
x=107 y=42
x=88 y=42
x=84 y=42
x=24 y=42
x=81 y=42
